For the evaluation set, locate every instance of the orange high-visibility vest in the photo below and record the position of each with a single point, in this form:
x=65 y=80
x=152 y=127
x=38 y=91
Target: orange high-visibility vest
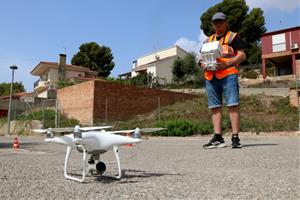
x=228 y=54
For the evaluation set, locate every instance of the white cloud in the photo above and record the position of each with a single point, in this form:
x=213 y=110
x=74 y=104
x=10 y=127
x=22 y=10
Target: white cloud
x=191 y=45
x=282 y=5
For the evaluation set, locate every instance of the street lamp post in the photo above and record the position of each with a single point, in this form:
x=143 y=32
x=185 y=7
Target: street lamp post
x=13 y=68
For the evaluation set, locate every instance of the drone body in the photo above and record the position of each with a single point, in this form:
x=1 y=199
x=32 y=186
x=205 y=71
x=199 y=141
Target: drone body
x=94 y=141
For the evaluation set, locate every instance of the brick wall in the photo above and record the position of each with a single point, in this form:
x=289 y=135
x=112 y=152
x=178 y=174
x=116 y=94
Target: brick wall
x=88 y=101
x=77 y=101
x=124 y=101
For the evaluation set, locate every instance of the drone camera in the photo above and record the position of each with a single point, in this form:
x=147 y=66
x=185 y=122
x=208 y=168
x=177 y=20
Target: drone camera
x=49 y=133
x=101 y=167
x=77 y=134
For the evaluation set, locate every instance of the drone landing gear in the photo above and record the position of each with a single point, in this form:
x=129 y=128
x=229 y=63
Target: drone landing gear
x=97 y=169
x=116 y=152
x=69 y=149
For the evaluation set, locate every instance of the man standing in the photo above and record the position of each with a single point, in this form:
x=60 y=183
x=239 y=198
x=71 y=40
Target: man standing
x=224 y=81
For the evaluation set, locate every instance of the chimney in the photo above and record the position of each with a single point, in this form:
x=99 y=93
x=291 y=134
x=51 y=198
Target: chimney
x=62 y=67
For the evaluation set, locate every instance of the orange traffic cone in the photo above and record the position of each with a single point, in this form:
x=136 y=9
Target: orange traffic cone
x=129 y=145
x=16 y=144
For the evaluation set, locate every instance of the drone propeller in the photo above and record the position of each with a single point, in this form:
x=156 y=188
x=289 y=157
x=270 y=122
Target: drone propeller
x=137 y=131
x=76 y=129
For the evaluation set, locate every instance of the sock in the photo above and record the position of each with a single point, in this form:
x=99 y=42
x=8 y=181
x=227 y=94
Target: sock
x=218 y=136
x=235 y=135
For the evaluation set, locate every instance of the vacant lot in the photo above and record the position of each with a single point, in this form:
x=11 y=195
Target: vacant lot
x=159 y=168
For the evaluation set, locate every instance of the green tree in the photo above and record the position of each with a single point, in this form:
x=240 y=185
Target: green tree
x=185 y=67
x=5 y=88
x=96 y=57
x=250 y=25
x=141 y=79
x=178 y=70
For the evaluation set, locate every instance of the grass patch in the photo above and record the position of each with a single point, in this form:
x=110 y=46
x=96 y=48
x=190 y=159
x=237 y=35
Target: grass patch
x=49 y=118
x=259 y=113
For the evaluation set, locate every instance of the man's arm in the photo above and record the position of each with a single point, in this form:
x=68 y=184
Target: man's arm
x=240 y=57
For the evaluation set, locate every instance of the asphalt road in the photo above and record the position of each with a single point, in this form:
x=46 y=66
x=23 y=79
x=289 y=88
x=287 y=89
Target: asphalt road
x=158 y=168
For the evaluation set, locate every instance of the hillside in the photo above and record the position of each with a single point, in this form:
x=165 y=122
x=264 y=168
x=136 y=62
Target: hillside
x=259 y=113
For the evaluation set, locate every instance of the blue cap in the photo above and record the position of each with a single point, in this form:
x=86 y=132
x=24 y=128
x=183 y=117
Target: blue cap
x=219 y=15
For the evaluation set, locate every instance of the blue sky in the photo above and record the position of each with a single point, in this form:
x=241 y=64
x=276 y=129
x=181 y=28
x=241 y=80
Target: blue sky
x=34 y=30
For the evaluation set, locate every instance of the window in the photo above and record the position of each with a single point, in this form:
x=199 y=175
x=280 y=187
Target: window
x=278 y=42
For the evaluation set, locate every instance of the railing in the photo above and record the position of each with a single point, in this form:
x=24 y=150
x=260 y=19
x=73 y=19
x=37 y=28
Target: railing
x=36 y=83
x=40 y=84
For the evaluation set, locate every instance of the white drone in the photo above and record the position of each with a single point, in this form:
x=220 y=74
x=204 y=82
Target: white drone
x=89 y=141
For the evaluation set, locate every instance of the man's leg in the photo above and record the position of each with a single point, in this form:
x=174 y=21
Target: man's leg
x=214 y=96
x=217 y=141
x=217 y=119
x=231 y=94
x=234 y=115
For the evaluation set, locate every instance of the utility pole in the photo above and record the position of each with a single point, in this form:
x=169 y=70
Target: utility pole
x=13 y=68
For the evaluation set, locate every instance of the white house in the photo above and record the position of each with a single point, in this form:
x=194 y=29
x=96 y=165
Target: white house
x=159 y=63
x=50 y=73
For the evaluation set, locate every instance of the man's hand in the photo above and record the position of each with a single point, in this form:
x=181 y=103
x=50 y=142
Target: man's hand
x=240 y=57
x=224 y=64
x=201 y=64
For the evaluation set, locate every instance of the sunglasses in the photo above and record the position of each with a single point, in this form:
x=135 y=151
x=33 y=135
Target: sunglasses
x=218 y=22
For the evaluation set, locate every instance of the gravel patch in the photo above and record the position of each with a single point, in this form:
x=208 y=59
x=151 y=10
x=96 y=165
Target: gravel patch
x=159 y=168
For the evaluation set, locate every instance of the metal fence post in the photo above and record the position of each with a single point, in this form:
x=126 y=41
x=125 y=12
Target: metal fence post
x=56 y=113
x=158 y=108
x=105 y=110
x=297 y=95
x=43 y=114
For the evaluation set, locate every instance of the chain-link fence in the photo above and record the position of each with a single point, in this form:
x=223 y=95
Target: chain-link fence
x=46 y=111
x=121 y=108
x=110 y=109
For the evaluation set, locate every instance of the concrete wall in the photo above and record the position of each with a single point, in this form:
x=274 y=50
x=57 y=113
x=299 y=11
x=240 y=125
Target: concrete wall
x=53 y=75
x=298 y=69
x=77 y=101
x=281 y=92
x=294 y=94
x=164 y=69
x=72 y=74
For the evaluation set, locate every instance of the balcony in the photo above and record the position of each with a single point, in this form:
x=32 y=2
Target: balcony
x=40 y=85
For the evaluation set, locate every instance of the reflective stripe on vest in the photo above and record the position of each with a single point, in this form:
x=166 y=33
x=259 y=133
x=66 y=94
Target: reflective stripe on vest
x=228 y=54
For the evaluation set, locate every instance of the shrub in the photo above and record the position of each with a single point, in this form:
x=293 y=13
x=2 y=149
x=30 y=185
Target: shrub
x=49 y=118
x=63 y=84
x=249 y=74
x=181 y=127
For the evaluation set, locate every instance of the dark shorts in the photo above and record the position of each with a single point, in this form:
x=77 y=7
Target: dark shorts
x=227 y=86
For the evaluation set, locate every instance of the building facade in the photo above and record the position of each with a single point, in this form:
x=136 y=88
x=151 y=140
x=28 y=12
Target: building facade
x=50 y=73
x=159 y=64
x=281 y=48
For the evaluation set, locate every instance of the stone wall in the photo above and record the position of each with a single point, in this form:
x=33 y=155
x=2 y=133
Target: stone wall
x=294 y=94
